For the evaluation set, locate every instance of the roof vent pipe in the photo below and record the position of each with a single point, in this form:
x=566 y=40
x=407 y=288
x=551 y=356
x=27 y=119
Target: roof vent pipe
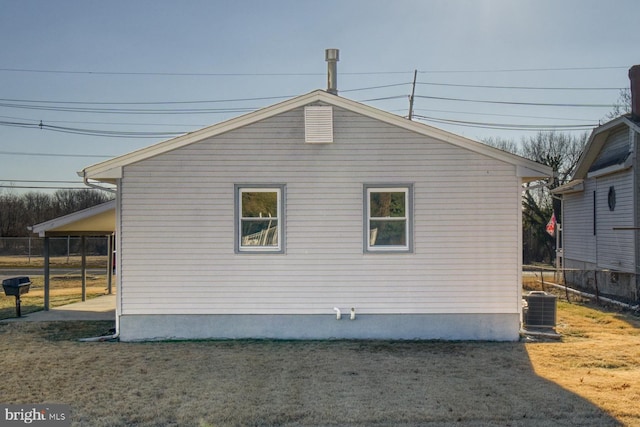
x=332 y=56
x=634 y=76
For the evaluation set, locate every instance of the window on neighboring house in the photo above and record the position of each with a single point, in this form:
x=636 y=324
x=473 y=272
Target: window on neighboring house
x=388 y=222
x=259 y=218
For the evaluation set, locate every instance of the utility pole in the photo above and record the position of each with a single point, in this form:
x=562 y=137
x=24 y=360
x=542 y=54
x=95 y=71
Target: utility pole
x=413 y=91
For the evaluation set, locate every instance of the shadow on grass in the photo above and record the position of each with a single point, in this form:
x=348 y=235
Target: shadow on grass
x=10 y=312
x=285 y=382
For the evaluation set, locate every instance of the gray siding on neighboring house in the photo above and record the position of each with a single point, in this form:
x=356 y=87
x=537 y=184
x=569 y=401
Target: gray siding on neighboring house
x=608 y=248
x=615 y=248
x=177 y=237
x=577 y=225
x=614 y=151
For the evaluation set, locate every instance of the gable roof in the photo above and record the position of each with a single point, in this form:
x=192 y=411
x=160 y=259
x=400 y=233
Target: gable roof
x=99 y=220
x=110 y=170
x=597 y=140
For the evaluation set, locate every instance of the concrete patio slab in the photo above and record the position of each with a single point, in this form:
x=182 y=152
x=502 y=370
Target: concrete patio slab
x=99 y=308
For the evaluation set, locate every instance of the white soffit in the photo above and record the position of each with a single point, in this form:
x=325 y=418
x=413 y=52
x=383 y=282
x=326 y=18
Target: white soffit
x=97 y=220
x=318 y=124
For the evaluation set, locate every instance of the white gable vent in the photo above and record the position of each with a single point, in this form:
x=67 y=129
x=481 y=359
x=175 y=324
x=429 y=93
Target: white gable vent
x=318 y=124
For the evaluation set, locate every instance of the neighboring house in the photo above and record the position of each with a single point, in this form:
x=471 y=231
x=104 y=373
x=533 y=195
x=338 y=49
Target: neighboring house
x=600 y=209
x=269 y=224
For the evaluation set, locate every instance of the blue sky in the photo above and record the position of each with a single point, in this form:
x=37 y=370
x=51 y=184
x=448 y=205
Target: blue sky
x=107 y=54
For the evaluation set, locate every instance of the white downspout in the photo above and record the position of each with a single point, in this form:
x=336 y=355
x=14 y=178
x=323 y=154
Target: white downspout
x=92 y=185
x=117 y=334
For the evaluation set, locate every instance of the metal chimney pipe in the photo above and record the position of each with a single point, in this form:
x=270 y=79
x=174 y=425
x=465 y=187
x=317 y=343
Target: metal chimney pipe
x=332 y=56
x=634 y=76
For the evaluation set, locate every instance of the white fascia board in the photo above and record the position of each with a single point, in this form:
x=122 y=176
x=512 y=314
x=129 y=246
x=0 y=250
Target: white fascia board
x=533 y=174
x=611 y=169
x=574 y=186
x=540 y=171
x=109 y=170
x=596 y=140
x=112 y=169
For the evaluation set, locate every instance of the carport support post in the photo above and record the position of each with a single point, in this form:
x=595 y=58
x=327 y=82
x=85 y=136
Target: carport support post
x=109 y=263
x=46 y=273
x=83 y=250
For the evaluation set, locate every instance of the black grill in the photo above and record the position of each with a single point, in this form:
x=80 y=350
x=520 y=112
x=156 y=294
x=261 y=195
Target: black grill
x=16 y=286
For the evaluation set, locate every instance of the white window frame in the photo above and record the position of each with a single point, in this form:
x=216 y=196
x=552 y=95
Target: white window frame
x=407 y=189
x=259 y=188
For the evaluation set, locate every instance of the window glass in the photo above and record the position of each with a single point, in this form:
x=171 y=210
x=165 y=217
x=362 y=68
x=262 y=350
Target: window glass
x=259 y=221
x=388 y=223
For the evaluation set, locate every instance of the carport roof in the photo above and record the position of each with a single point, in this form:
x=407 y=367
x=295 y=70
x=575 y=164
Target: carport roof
x=98 y=220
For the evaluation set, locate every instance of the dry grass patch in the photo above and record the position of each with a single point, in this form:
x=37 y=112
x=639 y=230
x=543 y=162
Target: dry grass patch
x=21 y=261
x=598 y=358
x=238 y=383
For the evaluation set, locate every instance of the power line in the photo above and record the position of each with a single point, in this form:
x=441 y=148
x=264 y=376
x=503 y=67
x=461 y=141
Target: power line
x=528 y=116
x=204 y=101
x=522 y=70
x=39 y=187
x=187 y=74
x=506 y=126
x=385 y=98
x=111 y=123
x=33 y=101
x=61 y=108
x=91 y=132
x=41 y=181
x=21 y=153
x=518 y=87
x=537 y=104
x=301 y=74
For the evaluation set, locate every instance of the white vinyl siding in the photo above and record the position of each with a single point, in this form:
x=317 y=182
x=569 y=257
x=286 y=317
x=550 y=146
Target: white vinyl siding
x=177 y=237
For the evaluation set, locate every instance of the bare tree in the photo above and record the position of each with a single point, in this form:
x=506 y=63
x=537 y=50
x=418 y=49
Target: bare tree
x=11 y=214
x=561 y=152
x=508 y=145
x=18 y=211
x=622 y=105
x=68 y=201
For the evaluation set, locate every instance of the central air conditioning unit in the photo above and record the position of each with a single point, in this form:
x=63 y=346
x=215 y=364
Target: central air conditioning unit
x=540 y=310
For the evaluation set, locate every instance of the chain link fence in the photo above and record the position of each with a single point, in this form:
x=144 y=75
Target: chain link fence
x=58 y=246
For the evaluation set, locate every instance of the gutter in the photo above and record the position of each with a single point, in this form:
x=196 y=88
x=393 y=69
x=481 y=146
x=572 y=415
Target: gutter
x=85 y=179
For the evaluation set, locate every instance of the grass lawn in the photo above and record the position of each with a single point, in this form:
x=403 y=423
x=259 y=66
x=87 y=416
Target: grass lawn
x=74 y=261
x=589 y=378
x=64 y=289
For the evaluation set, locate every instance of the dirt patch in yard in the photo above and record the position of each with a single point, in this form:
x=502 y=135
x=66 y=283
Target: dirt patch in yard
x=590 y=378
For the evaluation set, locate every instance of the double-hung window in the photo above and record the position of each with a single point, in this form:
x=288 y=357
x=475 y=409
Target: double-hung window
x=259 y=218
x=388 y=222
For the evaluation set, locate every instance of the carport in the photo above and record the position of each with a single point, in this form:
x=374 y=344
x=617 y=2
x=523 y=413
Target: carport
x=99 y=220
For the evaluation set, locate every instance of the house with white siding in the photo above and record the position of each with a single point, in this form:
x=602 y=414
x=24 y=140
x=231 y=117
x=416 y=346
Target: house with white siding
x=600 y=209
x=318 y=218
